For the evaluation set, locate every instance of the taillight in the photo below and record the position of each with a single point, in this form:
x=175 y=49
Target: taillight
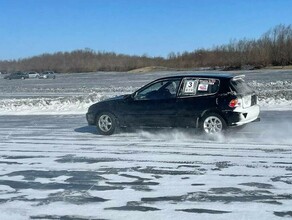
x=234 y=103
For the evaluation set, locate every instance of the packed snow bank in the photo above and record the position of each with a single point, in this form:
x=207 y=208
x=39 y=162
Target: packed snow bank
x=272 y=96
x=271 y=104
x=50 y=105
x=80 y=104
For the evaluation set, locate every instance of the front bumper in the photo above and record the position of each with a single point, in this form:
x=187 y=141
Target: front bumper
x=90 y=117
x=241 y=116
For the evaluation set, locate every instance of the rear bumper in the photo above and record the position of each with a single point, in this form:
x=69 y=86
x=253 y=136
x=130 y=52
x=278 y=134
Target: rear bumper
x=241 y=116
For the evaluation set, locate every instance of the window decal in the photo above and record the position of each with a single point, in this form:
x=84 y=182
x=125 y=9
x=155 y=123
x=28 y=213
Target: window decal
x=212 y=81
x=203 y=87
x=190 y=86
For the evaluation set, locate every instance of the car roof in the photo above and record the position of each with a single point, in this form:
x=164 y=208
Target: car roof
x=202 y=75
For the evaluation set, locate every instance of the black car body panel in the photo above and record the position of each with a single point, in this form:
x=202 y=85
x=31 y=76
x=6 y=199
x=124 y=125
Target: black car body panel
x=181 y=101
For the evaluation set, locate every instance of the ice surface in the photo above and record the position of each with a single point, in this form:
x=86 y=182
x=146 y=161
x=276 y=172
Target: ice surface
x=54 y=166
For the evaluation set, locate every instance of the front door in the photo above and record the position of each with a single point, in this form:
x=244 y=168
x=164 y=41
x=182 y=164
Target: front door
x=154 y=105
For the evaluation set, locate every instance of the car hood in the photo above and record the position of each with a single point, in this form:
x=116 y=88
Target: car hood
x=117 y=98
x=107 y=102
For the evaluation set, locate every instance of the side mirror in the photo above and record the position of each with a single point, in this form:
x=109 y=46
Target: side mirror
x=133 y=95
x=129 y=97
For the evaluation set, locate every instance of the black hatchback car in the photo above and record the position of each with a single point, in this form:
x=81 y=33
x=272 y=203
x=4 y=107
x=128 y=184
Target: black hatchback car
x=208 y=102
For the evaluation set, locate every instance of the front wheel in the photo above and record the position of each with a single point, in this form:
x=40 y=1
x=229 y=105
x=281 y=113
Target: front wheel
x=106 y=123
x=212 y=124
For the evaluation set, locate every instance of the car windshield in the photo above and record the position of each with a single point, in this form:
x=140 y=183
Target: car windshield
x=240 y=86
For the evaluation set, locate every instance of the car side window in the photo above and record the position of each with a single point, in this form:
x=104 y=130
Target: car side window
x=166 y=89
x=199 y=87
x=189 y=87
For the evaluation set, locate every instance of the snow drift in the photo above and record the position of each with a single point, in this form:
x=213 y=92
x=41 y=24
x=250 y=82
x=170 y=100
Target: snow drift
x=272 y=96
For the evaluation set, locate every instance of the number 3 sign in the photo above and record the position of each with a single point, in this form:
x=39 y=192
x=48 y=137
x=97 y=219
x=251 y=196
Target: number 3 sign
x=189 y=86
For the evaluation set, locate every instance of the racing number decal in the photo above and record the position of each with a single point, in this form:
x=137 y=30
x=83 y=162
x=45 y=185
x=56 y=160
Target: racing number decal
x=189 y=86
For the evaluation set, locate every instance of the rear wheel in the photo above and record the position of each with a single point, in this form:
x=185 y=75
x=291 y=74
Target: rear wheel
x=106 y=123
x=212 y=123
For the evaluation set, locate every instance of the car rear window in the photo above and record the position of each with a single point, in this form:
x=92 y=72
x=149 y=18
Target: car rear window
x=240 y=86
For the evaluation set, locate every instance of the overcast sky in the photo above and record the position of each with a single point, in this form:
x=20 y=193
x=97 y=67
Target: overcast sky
x=152 y=27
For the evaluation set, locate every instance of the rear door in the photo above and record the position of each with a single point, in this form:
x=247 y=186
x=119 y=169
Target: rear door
x=196 y=95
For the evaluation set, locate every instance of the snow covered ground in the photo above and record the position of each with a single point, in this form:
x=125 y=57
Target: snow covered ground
x=54 y=166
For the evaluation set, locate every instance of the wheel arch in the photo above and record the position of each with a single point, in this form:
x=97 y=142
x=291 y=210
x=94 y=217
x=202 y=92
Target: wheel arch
x=210 y=111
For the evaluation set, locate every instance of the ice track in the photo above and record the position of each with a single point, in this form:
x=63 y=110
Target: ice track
x=56 y=167
x=53 y=166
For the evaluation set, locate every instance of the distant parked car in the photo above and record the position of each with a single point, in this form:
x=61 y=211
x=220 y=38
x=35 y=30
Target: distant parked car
x=17 y=75
x=33 y=74
x=47 y=75
x=208 y=102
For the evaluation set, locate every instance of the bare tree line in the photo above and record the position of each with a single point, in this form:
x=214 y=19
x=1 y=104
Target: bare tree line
x=273 y=48
x=79 y=61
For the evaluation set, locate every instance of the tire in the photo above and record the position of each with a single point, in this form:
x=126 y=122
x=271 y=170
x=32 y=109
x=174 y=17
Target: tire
x=212 y=124
x=106 y=123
